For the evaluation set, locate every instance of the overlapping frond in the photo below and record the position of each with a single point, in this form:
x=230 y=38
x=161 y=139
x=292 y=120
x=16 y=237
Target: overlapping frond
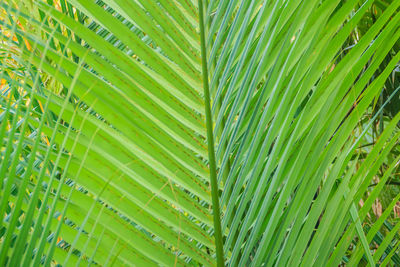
x=127 y=133
x=287 y=104
x=105 y=132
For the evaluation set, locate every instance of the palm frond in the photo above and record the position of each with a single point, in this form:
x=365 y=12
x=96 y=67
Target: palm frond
x=240 y=133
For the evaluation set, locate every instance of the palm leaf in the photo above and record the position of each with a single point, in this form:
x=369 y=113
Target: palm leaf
x=197 y=133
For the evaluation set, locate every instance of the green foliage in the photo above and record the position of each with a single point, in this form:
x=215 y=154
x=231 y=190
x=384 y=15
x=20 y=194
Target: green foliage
x=243 y=133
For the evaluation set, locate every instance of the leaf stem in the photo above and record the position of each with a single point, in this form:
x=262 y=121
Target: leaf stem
x=210 y=140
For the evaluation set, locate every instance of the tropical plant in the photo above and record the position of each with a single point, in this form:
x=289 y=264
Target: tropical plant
x=183 y=132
